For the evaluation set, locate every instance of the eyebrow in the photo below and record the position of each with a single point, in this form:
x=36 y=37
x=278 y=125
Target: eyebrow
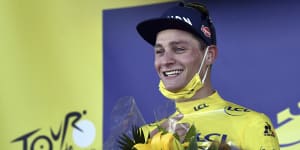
x=171 y=43
x=178 y=42
x=157 y=46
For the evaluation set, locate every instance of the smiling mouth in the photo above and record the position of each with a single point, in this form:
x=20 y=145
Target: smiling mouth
x=172 y=73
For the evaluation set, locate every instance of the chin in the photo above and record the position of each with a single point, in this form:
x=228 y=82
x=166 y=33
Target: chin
x=173 y=88
x=173 y=85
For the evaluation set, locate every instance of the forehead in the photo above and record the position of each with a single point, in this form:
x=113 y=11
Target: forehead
x=175 y=36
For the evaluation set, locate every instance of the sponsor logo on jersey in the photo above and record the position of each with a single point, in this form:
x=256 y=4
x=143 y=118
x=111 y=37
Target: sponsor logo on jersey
x=211 y=137
x=235 y=111
x=268 y=130
x=200 y=106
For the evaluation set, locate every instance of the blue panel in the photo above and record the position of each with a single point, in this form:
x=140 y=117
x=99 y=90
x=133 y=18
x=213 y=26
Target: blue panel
x=257 y=65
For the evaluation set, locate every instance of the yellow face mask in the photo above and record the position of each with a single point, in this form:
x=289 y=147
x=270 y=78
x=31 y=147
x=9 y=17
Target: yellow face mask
x=190 y=89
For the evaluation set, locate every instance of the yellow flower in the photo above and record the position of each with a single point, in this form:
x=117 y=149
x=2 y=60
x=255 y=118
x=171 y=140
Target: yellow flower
x=161 y=141
x=142 y=147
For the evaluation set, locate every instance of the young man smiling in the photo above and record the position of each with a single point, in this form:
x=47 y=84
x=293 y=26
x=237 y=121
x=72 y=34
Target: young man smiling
x=184 y=41
x=178 y=55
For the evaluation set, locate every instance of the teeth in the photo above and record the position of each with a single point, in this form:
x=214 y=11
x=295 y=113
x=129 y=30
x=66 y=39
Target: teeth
x=172 y=72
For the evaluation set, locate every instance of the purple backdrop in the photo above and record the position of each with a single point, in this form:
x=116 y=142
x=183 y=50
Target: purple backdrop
x=257 y=65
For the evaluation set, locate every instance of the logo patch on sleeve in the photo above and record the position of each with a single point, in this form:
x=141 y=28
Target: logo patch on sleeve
x=268 y=130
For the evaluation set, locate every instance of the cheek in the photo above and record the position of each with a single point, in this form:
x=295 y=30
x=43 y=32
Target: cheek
x=156 y=65
x=194 y=63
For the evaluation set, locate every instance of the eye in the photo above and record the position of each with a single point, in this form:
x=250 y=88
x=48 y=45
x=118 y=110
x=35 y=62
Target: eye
x=179 y=49
x=159 y=51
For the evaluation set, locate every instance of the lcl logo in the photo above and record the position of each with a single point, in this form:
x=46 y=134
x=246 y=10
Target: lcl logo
x=235 y=111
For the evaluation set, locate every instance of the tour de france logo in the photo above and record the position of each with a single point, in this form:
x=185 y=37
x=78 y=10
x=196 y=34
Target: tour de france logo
x=82 y=135
x=288 y=132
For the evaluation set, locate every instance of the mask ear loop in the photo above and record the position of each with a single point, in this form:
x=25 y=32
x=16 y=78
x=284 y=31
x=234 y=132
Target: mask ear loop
x=205 y=74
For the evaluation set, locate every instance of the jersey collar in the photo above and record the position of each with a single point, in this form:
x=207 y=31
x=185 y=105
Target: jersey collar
x=203 y=104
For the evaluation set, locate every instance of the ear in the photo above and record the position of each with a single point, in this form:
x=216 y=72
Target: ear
x=211 y=54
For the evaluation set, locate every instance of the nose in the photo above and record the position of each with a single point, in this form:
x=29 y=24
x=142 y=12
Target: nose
x=167 y=59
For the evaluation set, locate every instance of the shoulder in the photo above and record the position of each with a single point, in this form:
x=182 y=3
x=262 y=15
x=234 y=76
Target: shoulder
x=233 y=109
x=251 y=118
x=242 y=114
x=256 y=128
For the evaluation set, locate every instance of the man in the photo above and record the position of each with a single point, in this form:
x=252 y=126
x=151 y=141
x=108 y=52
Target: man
x=184 y=41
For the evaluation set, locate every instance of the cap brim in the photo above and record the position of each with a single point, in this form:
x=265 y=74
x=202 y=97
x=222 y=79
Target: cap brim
x=150 y=28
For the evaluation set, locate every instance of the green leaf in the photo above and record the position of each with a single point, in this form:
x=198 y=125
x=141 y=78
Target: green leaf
x=190 y=134
x=176 y=136
x=193 y=144
x=138 y=135
x=126 y=143
x=214 y=146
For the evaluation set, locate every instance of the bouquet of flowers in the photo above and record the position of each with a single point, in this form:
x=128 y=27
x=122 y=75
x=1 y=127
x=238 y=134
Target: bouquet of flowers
x=163 y=140
x=126 y=119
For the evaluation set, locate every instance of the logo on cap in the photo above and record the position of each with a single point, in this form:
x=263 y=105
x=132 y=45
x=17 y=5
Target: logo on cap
x=206 y=31
x=185 y=19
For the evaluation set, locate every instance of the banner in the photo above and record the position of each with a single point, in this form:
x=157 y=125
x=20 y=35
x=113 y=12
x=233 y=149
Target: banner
x=51 y=76
x=256 y=65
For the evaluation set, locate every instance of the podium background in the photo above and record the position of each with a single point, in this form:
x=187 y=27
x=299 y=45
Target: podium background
x=64 y=64
x=257 y=66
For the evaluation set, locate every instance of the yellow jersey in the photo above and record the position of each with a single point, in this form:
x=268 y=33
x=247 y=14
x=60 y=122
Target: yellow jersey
x=216 y=119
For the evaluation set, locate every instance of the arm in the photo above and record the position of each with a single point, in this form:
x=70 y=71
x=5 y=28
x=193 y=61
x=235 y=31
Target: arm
x=259 y=134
